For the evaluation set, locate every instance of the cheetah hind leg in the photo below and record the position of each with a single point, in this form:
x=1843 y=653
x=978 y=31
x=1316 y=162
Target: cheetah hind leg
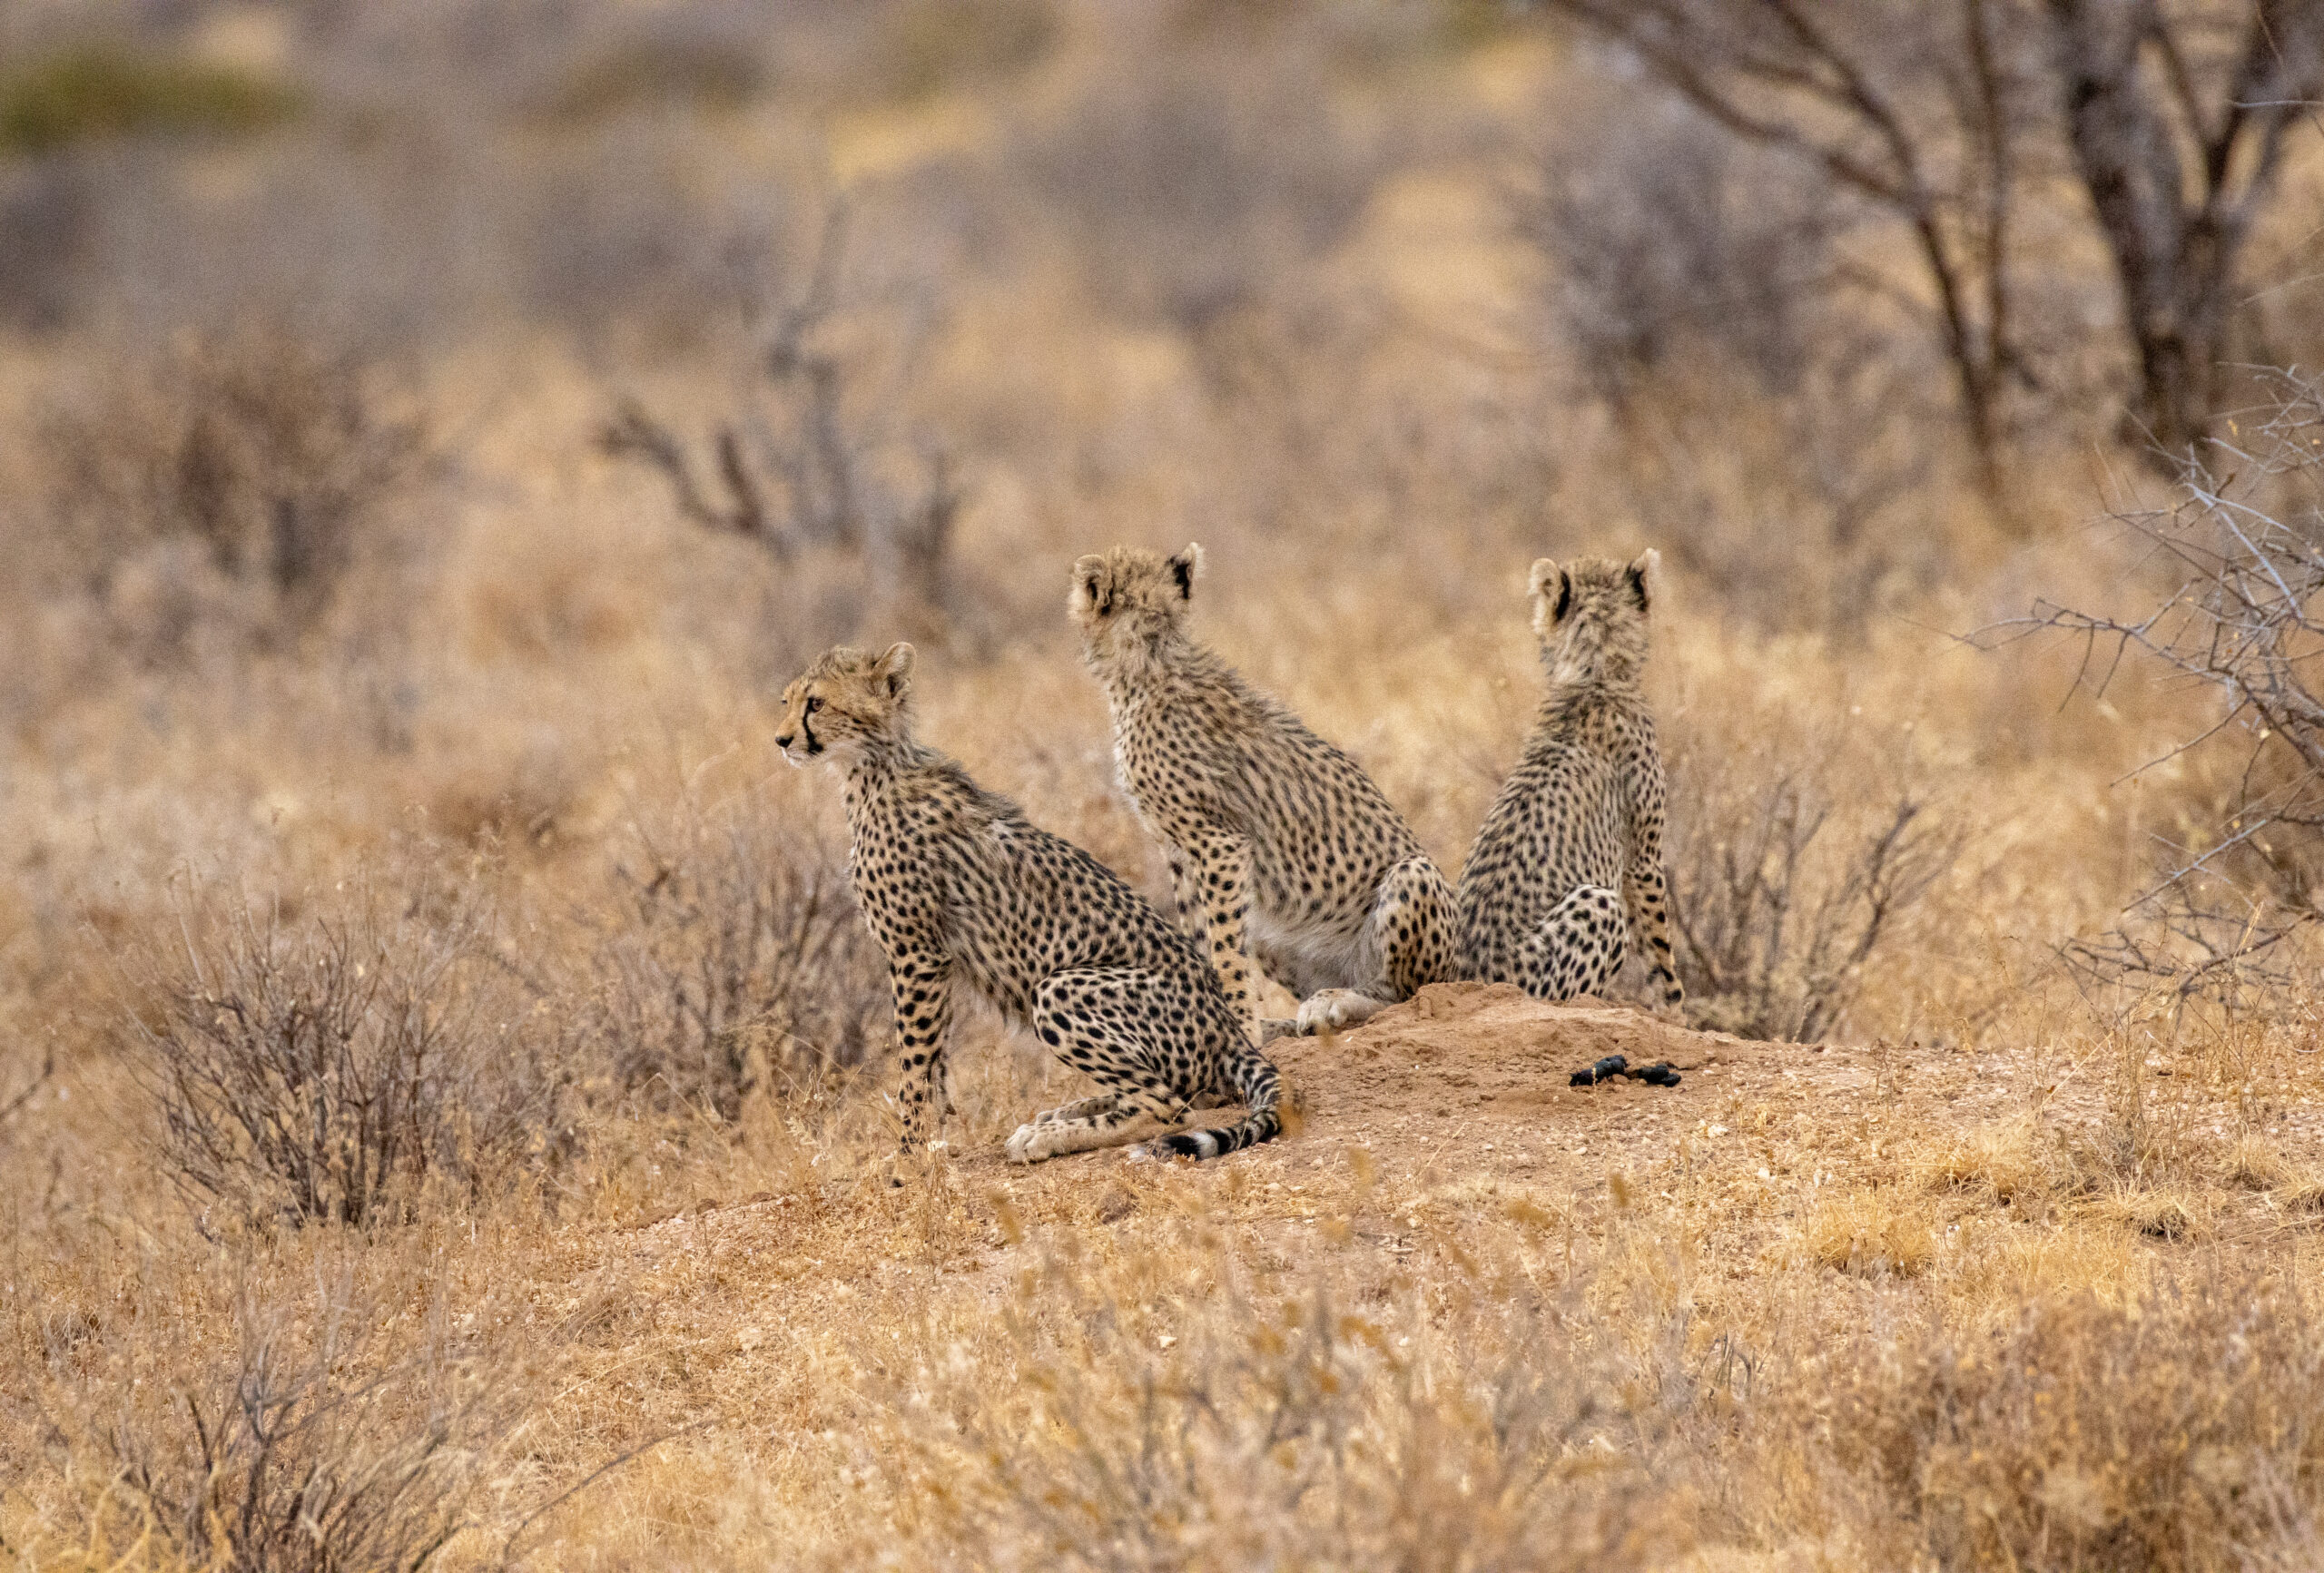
x=1092 y=1018
x=1115 y=1120
x=1409 y=933
x=1080 y=1109
x=1578 y=948
x=1090 y=1107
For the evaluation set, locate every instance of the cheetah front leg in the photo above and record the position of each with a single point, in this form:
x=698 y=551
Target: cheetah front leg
x=921 y=985
x=1410 y=936
x=1645 y=891
x=1577 y=948
x=1212 y=871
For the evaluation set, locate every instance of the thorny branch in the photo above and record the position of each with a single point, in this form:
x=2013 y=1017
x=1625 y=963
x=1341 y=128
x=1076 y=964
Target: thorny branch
x=2243 y=558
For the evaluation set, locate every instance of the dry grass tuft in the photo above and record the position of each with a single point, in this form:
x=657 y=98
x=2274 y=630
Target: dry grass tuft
x=2255 y=1164
x=1157 y=1419
x=2164 y=1215
x=1873 y=1234
x=2006 y=1164
x=2156 y=1436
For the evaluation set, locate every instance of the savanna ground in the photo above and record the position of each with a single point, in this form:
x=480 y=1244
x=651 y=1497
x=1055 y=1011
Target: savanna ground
x=442 y=1071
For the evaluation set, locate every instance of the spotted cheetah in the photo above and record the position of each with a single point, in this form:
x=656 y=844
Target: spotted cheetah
x=1281 y=850
x=1575 y=837
x=959 y=885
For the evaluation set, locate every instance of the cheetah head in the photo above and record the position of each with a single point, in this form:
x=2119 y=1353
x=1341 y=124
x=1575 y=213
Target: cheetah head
x=1129 y=598
x=1590 y=614
x=847 y=699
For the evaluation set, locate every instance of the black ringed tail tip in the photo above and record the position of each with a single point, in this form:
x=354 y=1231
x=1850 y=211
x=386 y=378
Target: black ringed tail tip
x=1261 y=1127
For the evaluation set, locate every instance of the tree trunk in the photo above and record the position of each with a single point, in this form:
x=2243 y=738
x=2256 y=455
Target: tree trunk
x=2139 y=128
x=2129 y=162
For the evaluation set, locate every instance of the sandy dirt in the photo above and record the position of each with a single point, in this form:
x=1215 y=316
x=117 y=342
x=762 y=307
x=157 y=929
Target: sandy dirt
x=1464 y=1089
x=1451 y=1109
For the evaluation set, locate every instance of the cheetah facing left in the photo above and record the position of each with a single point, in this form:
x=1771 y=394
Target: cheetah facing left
x=959 y=885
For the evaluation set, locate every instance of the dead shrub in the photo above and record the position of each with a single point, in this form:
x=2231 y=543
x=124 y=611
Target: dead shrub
x=301 y=1451
x=48 y=224
x=1775 y=434
x=245 y=467
x=1783 y=889
x=1106 y=1421
x=739 y=962
x=1668 y=241
x=2088 y=1436
x=812 y=461
x=2234 y=563
x=671 y=66
x=929 y=47
x=325 y=1068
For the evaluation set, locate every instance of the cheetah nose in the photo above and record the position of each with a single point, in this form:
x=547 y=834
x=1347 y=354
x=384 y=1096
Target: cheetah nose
x=784 y=741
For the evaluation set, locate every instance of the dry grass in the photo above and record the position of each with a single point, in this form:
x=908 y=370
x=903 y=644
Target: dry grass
x=1871 y=1234
x=478 y=783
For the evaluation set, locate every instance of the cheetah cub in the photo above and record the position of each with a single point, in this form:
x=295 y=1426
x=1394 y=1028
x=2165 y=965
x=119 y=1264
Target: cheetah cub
x=959 y=887
x=1281 y=849
x=1575 y=836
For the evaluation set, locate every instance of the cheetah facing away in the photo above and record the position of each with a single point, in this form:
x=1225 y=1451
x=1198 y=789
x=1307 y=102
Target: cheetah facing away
x=959 y=887
x=1574 y=841
x=1281 y=850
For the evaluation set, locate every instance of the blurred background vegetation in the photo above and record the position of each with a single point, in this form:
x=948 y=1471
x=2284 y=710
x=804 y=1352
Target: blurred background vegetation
x=431 y=431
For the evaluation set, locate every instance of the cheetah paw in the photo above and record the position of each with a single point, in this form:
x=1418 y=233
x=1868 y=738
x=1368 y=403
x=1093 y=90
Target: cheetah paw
x=1336 y=1010
x=1040 y=1140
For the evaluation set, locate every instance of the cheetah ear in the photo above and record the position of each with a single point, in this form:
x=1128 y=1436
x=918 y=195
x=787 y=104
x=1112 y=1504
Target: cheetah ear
x=1088 y=599
x=894 y=667
x=1646 y=574
x=1185 y=568
x=1546 y=573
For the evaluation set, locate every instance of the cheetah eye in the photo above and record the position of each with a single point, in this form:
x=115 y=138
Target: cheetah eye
x=814 y=703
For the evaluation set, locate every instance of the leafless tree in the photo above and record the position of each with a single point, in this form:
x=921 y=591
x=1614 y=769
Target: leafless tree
x=2178 y=116
x=2243 y=556
x=1913 y=108
x=2174 y=116
x=804 y=464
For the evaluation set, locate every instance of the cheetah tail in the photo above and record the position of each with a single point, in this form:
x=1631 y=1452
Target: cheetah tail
x=1262 y=1090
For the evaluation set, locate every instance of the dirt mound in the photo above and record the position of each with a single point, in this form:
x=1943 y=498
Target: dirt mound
x=1471 y=1045
x=1532 y=1037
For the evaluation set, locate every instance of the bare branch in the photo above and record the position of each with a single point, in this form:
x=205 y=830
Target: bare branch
x=1776 y=72
x=2236 y=620
x=31 y=1089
